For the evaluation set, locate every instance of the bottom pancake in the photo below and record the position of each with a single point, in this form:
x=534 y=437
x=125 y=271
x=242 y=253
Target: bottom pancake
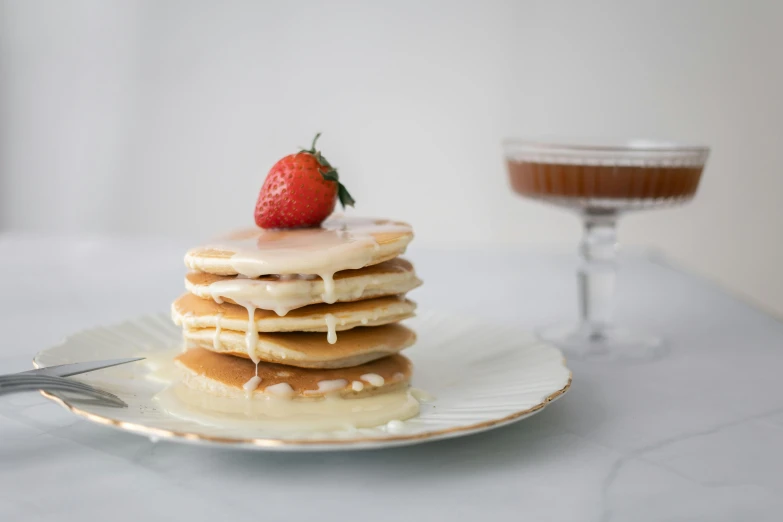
x=227 y=376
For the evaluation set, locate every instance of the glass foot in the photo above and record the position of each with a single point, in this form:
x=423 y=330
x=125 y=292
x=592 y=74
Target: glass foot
x=581 y=343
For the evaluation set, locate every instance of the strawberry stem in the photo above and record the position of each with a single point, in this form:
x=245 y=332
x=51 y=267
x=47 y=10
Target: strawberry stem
x=330 y=174
x=317 y=135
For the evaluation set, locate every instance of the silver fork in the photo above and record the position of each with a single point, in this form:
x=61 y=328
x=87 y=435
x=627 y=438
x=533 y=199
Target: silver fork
x=52 y=379
x=22 y=383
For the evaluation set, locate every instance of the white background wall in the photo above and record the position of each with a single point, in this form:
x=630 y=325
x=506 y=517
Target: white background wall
x=162 y=117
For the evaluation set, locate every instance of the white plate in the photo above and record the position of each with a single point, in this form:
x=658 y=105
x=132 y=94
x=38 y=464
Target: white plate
x=482 y=376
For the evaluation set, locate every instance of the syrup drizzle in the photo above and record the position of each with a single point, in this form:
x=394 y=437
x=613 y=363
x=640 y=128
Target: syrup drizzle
x=216 y=344
x=331 y=326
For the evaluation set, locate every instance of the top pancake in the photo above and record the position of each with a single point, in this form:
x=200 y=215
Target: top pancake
x=340 y=243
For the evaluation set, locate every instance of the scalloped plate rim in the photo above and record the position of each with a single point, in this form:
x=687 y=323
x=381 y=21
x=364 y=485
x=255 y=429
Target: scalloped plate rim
x=277 y=444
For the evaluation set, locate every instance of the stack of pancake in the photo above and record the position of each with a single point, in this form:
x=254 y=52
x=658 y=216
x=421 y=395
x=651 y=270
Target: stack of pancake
x=303 y=313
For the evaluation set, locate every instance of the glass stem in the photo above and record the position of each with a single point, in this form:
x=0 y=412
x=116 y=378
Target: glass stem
x=597 y=273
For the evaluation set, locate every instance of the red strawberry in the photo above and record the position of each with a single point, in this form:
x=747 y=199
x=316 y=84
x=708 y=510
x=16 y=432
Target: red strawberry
x=300 y=191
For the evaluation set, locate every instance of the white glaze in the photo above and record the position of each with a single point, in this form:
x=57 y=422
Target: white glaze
x=395 y=426
x=251 y=385
x=373 y=378
x=283 y=415
x=421 y=395
x=357 y=386
x=251 y=335
x=331 y=328
x=161 y=366
x=328 y=386
x=216 y=339
x=281 y=389
x=260 y=294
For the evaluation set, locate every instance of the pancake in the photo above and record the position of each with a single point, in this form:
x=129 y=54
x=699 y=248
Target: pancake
x=284 y=293
x=226 y=376
x=192 y=312
x=303 y=349
x=340 y=243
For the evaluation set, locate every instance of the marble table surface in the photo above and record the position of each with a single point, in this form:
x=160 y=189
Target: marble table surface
x=697 y=435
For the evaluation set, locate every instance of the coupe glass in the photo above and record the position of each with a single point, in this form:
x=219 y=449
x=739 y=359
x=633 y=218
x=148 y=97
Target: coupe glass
x=600 y=182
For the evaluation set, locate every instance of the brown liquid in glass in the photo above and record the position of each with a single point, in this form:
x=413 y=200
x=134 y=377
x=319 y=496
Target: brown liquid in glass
x=554 y=180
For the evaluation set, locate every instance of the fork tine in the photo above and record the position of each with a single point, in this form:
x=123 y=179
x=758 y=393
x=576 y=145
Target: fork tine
x=91 y=390
x=44 y=382
x=78 y=388
x=107 y=400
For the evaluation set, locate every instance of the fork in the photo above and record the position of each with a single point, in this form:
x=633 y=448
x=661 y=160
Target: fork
x=31 y=382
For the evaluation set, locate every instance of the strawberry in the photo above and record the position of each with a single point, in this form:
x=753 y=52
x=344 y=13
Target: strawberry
x=300 y=191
